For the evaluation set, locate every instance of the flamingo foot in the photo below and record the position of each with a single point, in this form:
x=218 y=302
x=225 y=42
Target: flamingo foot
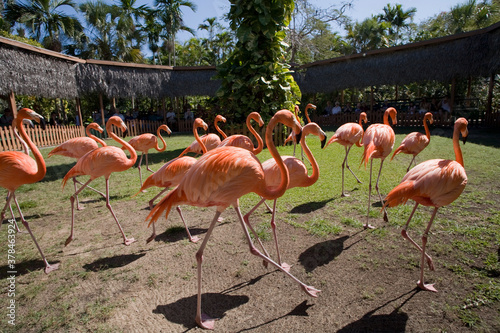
x=345 y=195
x=427 y=287
x=220 y=219
x=68 y=240
x=51 y=268
x=311 y=291
x=194 y=239
x=286 y=267
x=79 y=207
x=206 y=322
x=150 y=238
x=144 y=191
x=128 y=241
x=368 y=226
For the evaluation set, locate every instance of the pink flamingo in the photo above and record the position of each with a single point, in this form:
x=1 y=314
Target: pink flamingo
x=18 y=168
x=147 y=141
x=378 y=141
x=219 y=178
x=291 y=137
x=210 y=140
x=434 y=183
x=415 y=142
x=299 y=177
x=99 y=162
x=171 y=173
x=348 y=135
x=77 y=147
x=243 y=141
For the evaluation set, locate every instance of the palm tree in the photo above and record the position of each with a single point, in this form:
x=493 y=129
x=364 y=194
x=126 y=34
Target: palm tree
x=368 y=35
x=397 y=17
x=45 y=20
x=170 y=15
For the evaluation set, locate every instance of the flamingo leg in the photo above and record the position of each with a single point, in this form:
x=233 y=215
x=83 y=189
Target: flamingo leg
x=311 y=291
x=411 y=162
x=72 y=200
x=91 y=188
x=405 y=235
x=126 y=241
x=191 y=239
x=48 y=268
x=78 y=207
x=285 y=266
x=153 y=235
x=202 y=319
x=152 y=201
x=147 y=164
x=348 y=168
x=247 y=221
x=386 y=219
x=139 y=167
x=420 y=283
x=367 y=225
x=2 y=217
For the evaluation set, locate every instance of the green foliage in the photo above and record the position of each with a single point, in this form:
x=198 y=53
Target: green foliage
x=256 y=77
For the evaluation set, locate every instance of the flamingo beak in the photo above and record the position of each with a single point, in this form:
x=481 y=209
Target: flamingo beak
x=42 y=123
x=298 y=136
x=464 y=139
x=125 y=132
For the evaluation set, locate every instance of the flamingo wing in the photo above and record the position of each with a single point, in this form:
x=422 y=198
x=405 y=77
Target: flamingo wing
x=75 y=148
x=238 y=140
x=14 y=166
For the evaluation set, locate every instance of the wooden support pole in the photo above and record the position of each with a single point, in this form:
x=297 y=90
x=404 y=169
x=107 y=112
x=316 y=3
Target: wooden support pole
x=12 y=104
x=79 y=112
x=101 y=105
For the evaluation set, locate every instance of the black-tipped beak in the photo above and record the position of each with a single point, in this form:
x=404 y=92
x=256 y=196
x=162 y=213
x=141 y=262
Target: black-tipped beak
x=169 y=134
x=323 y=142
x=298 y=136
x=43 y=124
x=124 y=135
x=464 y=139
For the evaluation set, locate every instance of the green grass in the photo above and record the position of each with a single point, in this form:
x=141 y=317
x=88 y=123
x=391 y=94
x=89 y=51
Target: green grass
x=465 y=236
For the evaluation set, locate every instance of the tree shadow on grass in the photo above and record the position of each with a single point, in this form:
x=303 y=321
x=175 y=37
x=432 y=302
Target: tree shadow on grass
x=311 y=206
x=215 y=305
x=113 y=262
x=322 y=253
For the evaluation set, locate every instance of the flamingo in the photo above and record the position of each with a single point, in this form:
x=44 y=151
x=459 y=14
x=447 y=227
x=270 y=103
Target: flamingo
x=210 y=140
x=147 y=141
x=171 y=173
x=77 y=147
x=348 y=135
x=18 y=168
x=244 y=141
x=415 y=142
x=378 y=141
x=291 y=137
x=298 y=176
x=99 y=162
x=434 y=183
x=219 y=178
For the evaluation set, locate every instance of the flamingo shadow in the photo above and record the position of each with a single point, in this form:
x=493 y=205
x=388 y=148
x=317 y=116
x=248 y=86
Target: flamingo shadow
x=177 y=233
x=112 y=262
x=215 y=304
x=322 y=253
x=309 y=207
x=25 y=267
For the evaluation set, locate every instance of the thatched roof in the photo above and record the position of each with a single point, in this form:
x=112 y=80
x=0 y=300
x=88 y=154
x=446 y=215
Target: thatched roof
x=476 y=53
x=29 y=70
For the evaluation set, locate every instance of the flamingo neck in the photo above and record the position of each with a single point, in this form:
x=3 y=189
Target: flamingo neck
x=23 y=143
x=456 y=146
x=221 y=132
x=131 y=150
x=315 y=168
x=386 y=118
x=162 y=140
x=40 y=163
x=307 y=114
x=197 y=138
x=277 y=192
x=426 y=127
x=95 y=138
x=260 y=143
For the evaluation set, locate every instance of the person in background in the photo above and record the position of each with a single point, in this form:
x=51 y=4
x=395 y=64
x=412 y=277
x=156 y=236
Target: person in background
x=188 y=115
x=412 y=109
x=348 y=108
x=337 y=109
x=118 y=114
x=328 y=108
x=54 y=119
x=7 y=117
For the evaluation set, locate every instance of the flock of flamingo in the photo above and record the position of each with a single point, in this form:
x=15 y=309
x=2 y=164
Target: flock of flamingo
x=229 y=169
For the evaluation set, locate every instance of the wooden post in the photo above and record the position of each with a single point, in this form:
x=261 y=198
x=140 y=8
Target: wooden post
x=12 y=104
x=101 y=105
x=489 y=101
x=79 y=111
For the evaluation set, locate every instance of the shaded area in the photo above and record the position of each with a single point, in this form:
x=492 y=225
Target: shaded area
x=322 y=253
x=177 y=233
x=299 y=310
x=309 y=207
x=112 y=262
x=215 y=305
x=24 y=267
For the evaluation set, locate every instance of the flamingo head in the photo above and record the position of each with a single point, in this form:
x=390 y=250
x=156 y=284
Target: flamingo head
x=198 y=122
x=220 y=118
x=311 y=106
x=95 y=126
x=26 y=113
x=429 y=118
x=256 y=116
x=461 y=124
x=363 y=117
x=313 y=128
x=166 y=129
x=118 y=122
x=288 y=119
x=392 y=113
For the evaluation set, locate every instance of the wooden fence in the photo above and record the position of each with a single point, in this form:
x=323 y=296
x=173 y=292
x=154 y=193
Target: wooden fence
x=55 y=135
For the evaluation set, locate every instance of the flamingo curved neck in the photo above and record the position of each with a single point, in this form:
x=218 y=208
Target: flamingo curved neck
x=307 y=113
x=456 y=146
x=221 y=132
x=40 y=163
x=197 y=138
x=426 y=127
x=315 y=168
x=260 y=143
x=162 y=140
x=95 y=138
x=131 y=150
x=269 y=193
x=386 y=118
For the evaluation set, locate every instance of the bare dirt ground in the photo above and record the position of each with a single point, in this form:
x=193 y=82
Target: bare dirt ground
x=367 y=282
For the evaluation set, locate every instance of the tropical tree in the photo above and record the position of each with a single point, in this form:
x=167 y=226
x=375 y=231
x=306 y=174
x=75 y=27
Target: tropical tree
x=170 y=16
x=45 y=20
x=368 y=35
x=398 y=19
x=256 y=77
x=210 y=25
